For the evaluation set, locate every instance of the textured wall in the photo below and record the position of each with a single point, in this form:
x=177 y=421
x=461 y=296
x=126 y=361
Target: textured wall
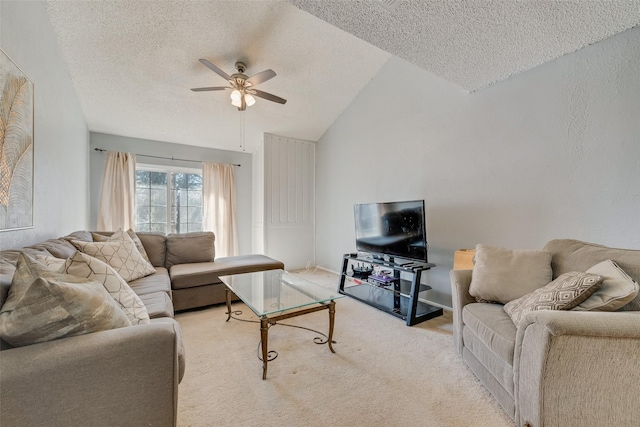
x=553 y=152
x=177 y=151
x=61 y=138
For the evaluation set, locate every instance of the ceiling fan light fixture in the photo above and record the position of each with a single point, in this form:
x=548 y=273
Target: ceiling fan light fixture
x=235 y=96
x=242 y=92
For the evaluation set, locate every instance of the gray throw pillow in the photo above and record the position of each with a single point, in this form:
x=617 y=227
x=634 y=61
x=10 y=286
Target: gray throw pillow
x=564 y=293
x=502 y=275
x=44 y=305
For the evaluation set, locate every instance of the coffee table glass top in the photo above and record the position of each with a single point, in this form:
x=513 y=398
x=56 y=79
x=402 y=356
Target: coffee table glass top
x=274 y=291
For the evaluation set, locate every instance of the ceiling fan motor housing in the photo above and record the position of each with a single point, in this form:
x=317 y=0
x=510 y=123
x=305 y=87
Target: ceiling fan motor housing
x=241 y=67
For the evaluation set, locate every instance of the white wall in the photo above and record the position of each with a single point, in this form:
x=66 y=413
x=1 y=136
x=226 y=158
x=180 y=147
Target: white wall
x=61 y=137
x=176 y=151
x=553 y=152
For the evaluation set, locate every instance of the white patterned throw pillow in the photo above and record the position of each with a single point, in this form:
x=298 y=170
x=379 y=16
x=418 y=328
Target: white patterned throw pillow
x=83 y=265
x=564 y=293
x=119 y=252
x=97 y=237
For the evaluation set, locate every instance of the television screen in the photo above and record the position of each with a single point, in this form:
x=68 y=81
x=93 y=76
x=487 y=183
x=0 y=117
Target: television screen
x=393 y=229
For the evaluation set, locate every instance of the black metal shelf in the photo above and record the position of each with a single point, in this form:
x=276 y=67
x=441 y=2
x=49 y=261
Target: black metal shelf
x=399 y=299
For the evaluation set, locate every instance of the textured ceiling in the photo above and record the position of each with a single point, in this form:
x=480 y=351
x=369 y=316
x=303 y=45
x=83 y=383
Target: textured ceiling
x=133 y=62
x=475 y=43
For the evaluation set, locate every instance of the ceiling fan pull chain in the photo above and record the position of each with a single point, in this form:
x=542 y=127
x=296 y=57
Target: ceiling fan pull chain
x=242 y=132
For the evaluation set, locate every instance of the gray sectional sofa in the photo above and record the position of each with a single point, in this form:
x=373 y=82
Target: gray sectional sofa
x=556 y=368
x=127 y=376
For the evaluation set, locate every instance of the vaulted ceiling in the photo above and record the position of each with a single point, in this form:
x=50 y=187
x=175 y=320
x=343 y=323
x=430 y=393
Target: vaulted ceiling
x=133 y=62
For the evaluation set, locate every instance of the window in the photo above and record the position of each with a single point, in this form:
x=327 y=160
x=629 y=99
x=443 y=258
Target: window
x=168 y=200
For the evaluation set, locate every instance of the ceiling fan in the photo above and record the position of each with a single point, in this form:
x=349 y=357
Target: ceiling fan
x=242 y=91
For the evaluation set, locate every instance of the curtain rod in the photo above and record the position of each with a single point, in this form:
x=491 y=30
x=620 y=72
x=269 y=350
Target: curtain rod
x=166 y=158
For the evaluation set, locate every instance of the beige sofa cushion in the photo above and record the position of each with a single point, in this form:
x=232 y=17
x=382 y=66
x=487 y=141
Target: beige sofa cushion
x=564 y=293
x=205 y=273
x=493 y=327
x=156 y=282
x=504 y=275
x=158 y=304
x=156 y=247
x=617 y=289
x=189 y=248
x=44 y=305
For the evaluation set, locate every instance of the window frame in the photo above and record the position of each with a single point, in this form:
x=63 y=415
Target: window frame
x=169 y=170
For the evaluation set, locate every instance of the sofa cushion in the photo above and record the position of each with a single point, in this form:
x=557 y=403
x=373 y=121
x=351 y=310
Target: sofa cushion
x=204 y=273
x=190 y=247
x=563 y=293
x=617 y=289
x=44 y=305
x=156 y=282
x=59 y=248
x=83 y=265
x=574 y=255
x=493 y=327
x=503 y=275
x=158 y=304
x=155 y=245
x=120 y=253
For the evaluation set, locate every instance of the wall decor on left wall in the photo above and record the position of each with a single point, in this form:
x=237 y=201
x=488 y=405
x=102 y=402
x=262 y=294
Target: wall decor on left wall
x=16 y=146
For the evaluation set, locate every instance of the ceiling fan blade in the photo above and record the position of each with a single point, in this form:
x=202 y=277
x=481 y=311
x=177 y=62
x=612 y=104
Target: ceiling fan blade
x=262 y=76
x=268 y=96
x=203 y=89
x=216 y=69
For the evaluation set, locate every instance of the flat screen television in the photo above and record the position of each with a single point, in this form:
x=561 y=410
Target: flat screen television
x=395 y=229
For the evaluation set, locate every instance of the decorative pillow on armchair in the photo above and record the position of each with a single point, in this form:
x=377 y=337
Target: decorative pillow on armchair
x=617 y=289
x=502 y=275
x=44 y=305
x=119 y=252
x=564 y=293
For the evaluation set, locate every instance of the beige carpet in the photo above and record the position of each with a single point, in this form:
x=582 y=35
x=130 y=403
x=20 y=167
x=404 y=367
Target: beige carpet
x=382 y=374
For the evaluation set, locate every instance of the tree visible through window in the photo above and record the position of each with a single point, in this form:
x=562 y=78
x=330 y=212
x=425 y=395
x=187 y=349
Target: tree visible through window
x=168 y=201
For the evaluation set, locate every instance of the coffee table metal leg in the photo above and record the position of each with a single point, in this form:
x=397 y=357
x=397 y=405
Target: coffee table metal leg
x=227 y=294
x=332 y=315
x=264 y=334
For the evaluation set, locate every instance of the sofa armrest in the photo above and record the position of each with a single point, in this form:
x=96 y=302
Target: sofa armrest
x=120 y=377
x=577 y=368
x=460 y=282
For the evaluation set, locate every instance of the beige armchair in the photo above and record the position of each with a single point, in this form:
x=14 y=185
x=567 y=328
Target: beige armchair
x=558 y=368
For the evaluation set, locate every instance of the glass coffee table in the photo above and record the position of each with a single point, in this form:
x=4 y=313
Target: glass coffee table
x=275 y=295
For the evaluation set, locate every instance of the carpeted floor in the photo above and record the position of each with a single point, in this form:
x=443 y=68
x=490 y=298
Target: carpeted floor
x=382 y=374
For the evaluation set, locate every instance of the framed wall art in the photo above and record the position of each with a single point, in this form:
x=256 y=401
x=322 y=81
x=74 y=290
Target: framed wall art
x=16 y=147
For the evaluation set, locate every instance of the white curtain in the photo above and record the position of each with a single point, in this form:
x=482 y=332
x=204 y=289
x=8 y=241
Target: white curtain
x=117 y=207
x=219 y=206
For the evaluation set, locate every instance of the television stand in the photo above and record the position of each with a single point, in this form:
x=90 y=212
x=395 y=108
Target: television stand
x=396 y=293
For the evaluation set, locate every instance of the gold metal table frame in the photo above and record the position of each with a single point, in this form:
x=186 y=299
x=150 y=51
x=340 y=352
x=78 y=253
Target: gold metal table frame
x=268 y=320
